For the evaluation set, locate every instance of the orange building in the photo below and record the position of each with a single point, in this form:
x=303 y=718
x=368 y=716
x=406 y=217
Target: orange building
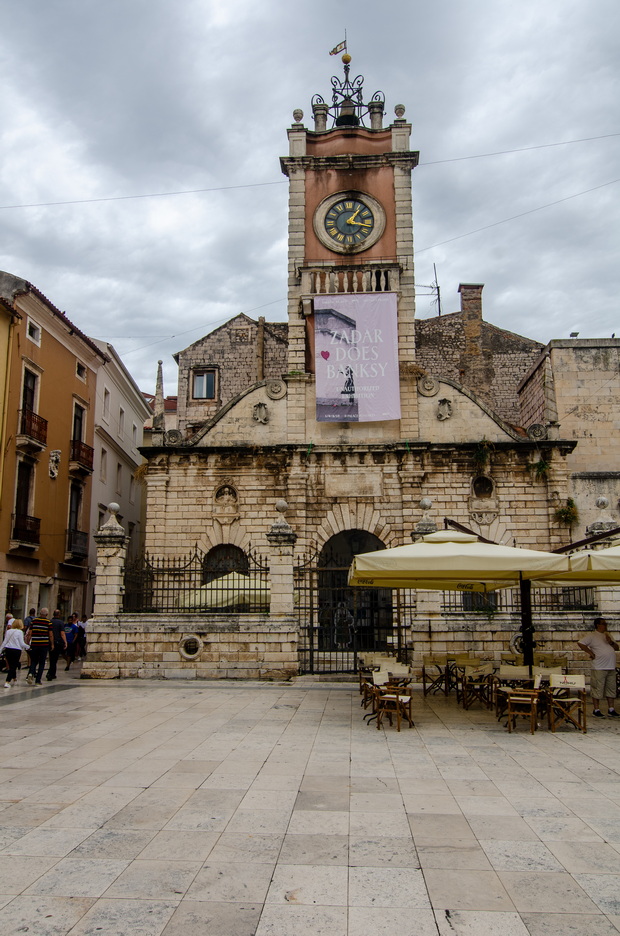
x=47 y=454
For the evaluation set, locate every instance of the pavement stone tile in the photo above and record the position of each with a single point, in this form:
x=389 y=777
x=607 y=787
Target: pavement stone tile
x=603 y=889
x=114 y=843
x=569 y=924
x=466 y=890
x=78 y=877
x=382 y=851
x=52 y=842
x=124 y=918
x=201 y=918
x=46 y=916
x=533 y=892
x=385 y=921
x=520 y=856
x=155 y=880
x=480 y=923
x=321 y=885
x=231 y=881
x=388 y=887
x=454 y=857
x=315 y=850
x=277 y=920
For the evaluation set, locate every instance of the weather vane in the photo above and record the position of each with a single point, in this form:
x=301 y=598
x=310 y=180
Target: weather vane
x=347 y=107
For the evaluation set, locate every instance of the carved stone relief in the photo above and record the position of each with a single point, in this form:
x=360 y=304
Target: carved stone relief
x=428 y=386
x=226 y=506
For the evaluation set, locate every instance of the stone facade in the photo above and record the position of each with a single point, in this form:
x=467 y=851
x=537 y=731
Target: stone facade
x=248 y=443
x=240 y=353
x=489 y=361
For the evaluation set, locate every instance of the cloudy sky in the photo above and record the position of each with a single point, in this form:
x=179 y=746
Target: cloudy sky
x=514 y=109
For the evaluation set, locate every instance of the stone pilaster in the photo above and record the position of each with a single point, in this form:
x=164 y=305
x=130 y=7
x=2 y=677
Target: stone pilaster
x=111 y=541
x=282 y=539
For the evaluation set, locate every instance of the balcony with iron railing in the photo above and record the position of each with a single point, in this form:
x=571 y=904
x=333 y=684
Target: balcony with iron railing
x=77 y=544
x=82 y=457
x=25 y=531
x=31 y=431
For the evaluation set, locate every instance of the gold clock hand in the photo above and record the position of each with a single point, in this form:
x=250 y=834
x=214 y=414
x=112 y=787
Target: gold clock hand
x=360 y=223
x=352 y=220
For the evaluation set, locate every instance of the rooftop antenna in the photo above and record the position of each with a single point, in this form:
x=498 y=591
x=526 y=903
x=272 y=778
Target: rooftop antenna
x=435 y=286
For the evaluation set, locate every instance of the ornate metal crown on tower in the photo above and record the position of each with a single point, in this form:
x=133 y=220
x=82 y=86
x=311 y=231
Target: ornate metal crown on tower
x=348 y=108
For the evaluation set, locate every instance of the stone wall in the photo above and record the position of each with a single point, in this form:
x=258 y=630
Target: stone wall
x=243 y=351
x=147 y=646
x=487 y=360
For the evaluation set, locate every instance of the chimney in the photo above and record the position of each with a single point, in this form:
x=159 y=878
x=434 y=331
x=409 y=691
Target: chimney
x=471 y=299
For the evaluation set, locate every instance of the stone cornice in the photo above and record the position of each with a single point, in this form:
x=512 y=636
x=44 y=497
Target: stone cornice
x=407 y=160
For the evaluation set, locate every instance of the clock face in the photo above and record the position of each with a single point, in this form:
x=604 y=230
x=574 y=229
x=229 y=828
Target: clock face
x=349 y=222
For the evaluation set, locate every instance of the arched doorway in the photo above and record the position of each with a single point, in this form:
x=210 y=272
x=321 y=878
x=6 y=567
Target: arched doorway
x=337 y=621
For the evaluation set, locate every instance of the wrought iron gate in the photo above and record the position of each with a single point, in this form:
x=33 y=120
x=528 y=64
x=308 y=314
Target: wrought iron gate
x=336 y=622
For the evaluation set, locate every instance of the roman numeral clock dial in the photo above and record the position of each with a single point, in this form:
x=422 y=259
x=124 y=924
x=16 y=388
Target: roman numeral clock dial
x=349 y=222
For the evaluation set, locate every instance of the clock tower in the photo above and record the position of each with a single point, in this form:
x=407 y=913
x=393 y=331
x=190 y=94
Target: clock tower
x=351 y=303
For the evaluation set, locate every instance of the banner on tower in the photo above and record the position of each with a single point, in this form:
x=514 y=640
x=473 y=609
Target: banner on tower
x=356 y=354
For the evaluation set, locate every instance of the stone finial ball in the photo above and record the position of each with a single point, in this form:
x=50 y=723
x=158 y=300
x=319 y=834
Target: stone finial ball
x=346 y=58
x=298 y=115
x=281 y=505
x=399 y=110
x=160 y=362
x=114 y=508
x=602 y=502
x=426 y=503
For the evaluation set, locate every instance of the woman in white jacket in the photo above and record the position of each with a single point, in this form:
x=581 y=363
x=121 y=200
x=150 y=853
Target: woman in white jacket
x=12 y=647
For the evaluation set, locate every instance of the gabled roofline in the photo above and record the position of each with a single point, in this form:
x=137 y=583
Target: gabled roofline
x=13 y=286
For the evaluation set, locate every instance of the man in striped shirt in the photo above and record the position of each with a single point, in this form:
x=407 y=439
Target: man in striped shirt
x=40 y=638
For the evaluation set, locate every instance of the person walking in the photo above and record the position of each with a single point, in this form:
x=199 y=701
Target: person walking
x=71 y=633
x=40 y=638
x=12 y=647
x=58 y=644
x=601 y=649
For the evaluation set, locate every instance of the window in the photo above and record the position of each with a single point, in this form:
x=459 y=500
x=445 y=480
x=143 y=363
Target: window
x=75 y=506
x=34 y=332
x=25 y=476
x=106 y=404
x=80 y=370
x=121 y=421
x=78 y=423
x=119 y=478
x=103 y=466
x=204 y=384
x=29 y=391
x=132 y=490
x=134 y=433
x=479 y=601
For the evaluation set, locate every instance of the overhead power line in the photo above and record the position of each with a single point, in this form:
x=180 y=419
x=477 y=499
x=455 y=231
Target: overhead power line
x=225 y=188
x=514 y=217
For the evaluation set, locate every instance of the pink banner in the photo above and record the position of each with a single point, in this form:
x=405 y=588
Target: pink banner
x=356 y=342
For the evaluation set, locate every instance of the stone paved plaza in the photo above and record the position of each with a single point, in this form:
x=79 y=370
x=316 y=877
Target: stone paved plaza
x=229 y=809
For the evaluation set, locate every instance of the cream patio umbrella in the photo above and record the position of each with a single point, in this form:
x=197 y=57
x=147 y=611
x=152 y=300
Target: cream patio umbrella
x=450 y=560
